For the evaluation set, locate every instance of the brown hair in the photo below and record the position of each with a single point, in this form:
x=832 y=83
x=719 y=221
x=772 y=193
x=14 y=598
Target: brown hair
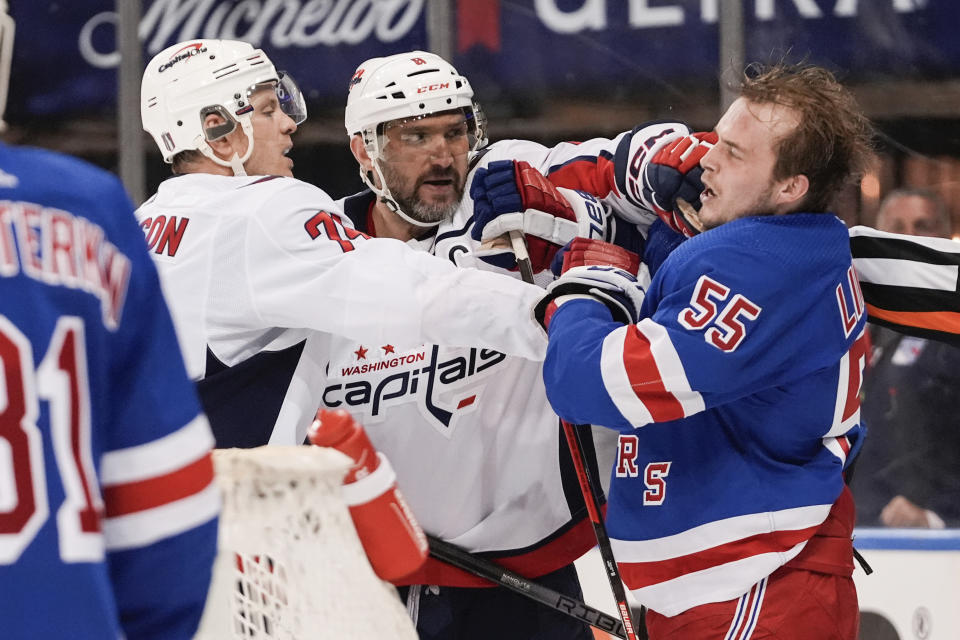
x=831 y=143
x=180 y=163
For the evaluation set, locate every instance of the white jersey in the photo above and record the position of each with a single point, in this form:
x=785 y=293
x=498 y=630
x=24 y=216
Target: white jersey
x=259 y=272
x=479 y=453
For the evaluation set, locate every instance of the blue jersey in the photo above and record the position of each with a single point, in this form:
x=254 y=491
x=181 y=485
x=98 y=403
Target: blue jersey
x=107 y=506
x=737 y=401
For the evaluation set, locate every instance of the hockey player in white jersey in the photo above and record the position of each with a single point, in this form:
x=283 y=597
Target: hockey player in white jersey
x=261 y=269
x=480 y=454
x=108 y=517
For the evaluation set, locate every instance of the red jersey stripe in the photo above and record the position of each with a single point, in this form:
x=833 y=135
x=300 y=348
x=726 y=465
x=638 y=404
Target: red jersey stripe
x=550 y=557
x=638 y=575
x=844 y=443
x=132 y=497
x=645 y=378
x=593 y=175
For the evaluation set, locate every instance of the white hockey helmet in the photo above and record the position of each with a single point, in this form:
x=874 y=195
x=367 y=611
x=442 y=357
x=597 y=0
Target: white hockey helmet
x=189 y=80
x=408 y=85
x=6 y=57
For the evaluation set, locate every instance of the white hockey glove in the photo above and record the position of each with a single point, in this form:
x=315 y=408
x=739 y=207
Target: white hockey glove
x=620 y=291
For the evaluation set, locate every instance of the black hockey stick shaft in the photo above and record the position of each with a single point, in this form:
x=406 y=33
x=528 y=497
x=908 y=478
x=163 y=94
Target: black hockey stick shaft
x=592 y=500
x=587 y=488
x=489 y=570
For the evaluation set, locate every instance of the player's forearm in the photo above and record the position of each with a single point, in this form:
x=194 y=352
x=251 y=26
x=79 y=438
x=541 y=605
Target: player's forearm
x=162 y=588
x=572 y=370
x=469 y=307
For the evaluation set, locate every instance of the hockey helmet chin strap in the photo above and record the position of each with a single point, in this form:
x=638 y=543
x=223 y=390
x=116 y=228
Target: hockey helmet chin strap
x=383 y=194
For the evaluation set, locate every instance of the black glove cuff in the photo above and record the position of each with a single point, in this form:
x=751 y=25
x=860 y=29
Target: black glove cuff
x=617 y=309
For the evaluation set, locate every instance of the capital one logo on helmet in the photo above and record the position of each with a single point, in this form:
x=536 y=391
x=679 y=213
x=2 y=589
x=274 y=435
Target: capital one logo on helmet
x=355 y=80
x=186 y=53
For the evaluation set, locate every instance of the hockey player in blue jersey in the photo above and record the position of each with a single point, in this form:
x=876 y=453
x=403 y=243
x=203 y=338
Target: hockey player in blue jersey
x=733 y=380
x=108 y=519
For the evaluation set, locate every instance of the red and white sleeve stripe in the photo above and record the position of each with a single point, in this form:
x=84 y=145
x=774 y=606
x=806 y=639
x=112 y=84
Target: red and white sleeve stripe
x=159 y=489
x=644 y=376
x=592 y=170
x=715 y=561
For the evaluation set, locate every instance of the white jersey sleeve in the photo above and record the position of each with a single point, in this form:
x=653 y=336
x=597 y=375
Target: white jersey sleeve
x=610 y=169
x=307 y=267
x=278 y=252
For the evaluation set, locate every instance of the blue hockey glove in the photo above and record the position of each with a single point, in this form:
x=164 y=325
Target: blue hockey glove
x=674 y=172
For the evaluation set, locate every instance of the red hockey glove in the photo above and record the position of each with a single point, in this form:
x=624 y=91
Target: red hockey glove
x=513 y=196
x=674 y=172
x=583 y=252
x=391 y=536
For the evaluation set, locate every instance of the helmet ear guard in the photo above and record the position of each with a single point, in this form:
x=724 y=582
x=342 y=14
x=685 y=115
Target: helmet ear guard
x=217 y=131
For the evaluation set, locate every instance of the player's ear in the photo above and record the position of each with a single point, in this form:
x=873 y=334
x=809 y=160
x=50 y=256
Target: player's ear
x=790 y=193
x=363 y=159
x=360 y=152
x=225 y=145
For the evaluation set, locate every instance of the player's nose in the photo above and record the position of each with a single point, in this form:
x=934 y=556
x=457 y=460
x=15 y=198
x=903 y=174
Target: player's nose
x=288 y=126
x=441 y=155
x=708 y=161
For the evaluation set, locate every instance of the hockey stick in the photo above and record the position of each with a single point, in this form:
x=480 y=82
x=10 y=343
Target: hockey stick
x=489 y=570
x=522 y=255
x=589 y=491
x=590 y=497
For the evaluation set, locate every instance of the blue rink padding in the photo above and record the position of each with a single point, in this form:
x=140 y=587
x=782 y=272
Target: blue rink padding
x=907 y=539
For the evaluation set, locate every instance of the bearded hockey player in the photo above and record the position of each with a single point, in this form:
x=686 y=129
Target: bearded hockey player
x=480 y=453
x=261 y=269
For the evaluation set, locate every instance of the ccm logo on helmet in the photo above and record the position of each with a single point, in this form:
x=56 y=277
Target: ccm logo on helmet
x=186 y=53
x=433 y=87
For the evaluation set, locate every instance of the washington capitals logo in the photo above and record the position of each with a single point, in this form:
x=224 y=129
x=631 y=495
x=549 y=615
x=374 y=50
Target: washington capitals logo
x=185 y=53
x=427 y=383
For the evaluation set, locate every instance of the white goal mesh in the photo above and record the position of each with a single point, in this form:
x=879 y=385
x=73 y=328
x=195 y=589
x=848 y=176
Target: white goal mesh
x=290 y=565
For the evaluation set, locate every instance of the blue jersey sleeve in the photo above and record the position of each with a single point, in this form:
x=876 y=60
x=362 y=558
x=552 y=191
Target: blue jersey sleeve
x=724 y=319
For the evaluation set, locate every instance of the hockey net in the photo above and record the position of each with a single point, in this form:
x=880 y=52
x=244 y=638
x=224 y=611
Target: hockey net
x=290 y=565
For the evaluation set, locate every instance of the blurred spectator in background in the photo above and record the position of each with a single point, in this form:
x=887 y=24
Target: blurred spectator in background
x=915 y=212
x=909 y=472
